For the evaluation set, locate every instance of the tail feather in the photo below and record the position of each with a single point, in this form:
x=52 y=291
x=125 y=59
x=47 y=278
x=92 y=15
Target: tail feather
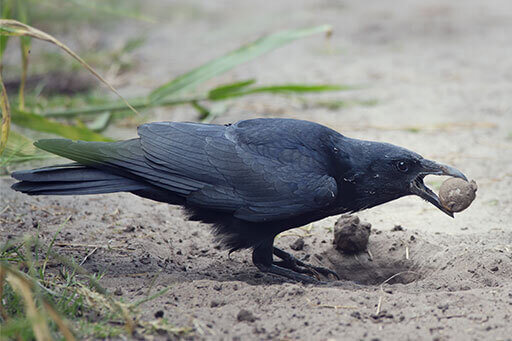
x=123 y=158
x=102 y=167
x=67 y=172
x=73 y=179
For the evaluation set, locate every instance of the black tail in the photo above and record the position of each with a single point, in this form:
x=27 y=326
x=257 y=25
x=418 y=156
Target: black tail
x=73 y=179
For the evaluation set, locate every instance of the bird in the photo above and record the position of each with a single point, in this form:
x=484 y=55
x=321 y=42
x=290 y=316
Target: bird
x=249 y=180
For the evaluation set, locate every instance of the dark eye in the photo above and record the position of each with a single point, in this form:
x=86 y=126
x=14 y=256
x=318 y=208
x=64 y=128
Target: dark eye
x=402 y=166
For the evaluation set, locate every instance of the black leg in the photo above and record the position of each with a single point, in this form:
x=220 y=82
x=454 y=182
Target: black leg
x=292 y=263
x=262 y=258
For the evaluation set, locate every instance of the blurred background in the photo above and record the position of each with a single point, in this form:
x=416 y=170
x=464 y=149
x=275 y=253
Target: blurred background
x=433 y=76
x=408 y=66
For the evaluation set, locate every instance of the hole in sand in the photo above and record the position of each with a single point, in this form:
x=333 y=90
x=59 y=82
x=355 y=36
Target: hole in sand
x=388 y=261
x=352 y=268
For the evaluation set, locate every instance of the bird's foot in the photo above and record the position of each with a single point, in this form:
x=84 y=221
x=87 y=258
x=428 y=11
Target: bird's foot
x=288 y=273
x=290 y=262
x=289 y=266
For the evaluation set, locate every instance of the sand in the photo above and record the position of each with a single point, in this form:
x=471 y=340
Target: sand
x=440 y=77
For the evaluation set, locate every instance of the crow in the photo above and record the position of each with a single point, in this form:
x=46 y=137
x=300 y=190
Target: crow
x=250 y=180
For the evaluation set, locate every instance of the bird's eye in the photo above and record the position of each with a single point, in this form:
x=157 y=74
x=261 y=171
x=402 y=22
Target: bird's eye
x=402 y=166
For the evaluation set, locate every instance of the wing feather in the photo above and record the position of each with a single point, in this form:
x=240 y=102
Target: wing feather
x=244 y=169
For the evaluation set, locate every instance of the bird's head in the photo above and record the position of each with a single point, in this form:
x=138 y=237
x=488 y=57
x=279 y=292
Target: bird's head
x=384 y=172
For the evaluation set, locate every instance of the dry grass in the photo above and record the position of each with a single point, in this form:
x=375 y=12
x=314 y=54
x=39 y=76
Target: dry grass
x=59 y=304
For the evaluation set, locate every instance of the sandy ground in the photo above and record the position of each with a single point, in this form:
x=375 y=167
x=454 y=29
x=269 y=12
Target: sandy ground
x=441 y=74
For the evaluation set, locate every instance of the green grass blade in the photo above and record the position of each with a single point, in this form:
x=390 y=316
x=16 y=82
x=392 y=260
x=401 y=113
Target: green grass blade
x=3 y=45
x=52 y=242
x=25 y=50
x=225 y=90
x=19 y=29
x=43 y=124
x=220 y=65
x=19 y=328
x=236 y=89
x=5 y=108
x=5 y=12
x=95 y=109
x=152 y=297
x=118 y=106
x=101 y=122
x=279 y=89
x=21 y=143
x=201 y=109
x=20 y=148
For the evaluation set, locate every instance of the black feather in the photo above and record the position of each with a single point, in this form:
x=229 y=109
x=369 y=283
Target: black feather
x=251 y=180
x=72 y=179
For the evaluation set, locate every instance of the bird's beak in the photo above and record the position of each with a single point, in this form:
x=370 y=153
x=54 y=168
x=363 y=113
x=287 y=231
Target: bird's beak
x=429 y=167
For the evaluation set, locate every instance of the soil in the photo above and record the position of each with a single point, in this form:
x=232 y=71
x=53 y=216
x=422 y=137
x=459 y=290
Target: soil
x=439 y=76
x=351 y=235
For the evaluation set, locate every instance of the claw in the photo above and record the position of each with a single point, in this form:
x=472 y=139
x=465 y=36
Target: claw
x=292 y=263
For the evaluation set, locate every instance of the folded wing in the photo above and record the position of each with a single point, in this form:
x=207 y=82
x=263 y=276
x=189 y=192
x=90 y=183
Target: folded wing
x=256 y=179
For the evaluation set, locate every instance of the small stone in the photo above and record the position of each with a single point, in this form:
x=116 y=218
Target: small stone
x=298 y=244
x=259 y=330
x=456 y=194
x=216 y=303
x=145 y=260
x=245 y=315
x=443 y=307
x=356 y=315
x=350 y=234
x=129 y=229
x=397 y=228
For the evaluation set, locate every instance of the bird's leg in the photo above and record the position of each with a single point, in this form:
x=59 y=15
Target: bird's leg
x=262 y=258
x=292 y=263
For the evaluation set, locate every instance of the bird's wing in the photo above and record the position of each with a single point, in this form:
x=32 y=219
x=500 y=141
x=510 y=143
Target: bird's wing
x=124 y=158
x=259 y=179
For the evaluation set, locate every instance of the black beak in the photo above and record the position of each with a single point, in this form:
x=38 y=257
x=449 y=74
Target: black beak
x=430 y=167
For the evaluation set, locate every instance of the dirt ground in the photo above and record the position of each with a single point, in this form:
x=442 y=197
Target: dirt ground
x=440 y=77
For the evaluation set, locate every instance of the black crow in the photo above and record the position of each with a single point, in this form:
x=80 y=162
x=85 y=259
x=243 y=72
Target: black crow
x=251 y=180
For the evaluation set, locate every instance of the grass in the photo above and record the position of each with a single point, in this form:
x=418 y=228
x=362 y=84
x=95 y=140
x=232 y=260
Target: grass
x=58 y=116
x=63 y=15
x=342 y=104
x=45 y=295
x=179 y=91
